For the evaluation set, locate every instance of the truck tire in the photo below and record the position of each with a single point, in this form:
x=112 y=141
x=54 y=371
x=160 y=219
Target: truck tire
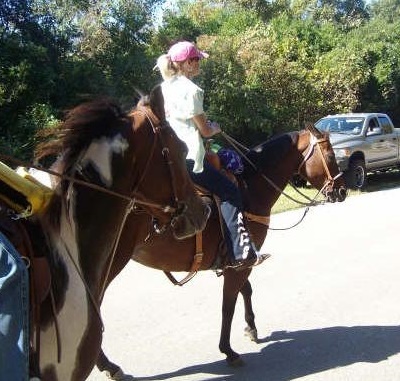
x=356 y=175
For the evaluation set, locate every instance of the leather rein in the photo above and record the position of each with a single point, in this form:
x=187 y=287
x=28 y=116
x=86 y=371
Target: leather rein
x=263 y=220
x=157 y=125
x=309 y=152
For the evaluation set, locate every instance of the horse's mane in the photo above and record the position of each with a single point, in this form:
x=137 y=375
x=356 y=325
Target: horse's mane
x=64 y=143
x=81 y=125
x=273 y=150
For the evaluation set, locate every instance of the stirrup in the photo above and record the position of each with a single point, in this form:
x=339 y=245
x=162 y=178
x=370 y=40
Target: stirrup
x=260 y=259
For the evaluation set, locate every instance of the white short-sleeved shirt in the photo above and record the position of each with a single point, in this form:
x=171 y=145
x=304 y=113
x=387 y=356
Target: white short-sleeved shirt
x=184 y=100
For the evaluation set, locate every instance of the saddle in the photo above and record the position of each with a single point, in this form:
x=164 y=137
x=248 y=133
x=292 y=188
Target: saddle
x=221 y=259
x=21 y=195
x=39 y=270
x=17 y=232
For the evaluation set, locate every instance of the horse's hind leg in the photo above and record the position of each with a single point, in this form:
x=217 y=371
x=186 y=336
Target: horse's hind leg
x=233 y=282
x=114 y=372
x=250 y=330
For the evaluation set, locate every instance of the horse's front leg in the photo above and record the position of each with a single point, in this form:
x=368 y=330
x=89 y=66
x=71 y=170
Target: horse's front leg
x=113 y=371
x=250 y=330
x=233 y=283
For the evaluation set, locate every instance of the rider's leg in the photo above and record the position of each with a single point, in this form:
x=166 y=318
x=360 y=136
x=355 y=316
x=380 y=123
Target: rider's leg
x=238 y=238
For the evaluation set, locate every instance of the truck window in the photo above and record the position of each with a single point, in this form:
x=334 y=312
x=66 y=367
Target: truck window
x=343 y=125
x=373 y=123
x=385 y=125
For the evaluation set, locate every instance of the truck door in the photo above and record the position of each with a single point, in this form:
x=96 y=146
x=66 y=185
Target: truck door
x=381 y=142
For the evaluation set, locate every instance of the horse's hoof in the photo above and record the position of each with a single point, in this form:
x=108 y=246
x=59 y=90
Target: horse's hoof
x=119 y=376
x=236 y=362
x=251 y=333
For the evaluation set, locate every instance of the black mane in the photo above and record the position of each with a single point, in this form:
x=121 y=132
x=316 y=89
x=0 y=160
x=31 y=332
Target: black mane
x=271 y=152
x=81 y=126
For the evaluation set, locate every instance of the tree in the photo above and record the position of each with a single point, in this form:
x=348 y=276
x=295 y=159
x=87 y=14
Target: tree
x=28 y=66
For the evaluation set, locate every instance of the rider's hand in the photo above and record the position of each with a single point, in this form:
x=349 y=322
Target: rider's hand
x=214 y=126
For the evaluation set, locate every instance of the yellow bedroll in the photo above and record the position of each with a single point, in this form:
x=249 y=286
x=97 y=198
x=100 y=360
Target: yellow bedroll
x=22 y=192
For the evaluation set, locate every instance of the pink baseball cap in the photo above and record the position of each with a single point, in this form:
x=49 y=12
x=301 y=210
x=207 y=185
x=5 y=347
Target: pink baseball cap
x=183 y=50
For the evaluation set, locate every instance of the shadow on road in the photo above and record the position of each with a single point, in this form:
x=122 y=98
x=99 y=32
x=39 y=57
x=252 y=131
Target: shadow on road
x=289 y=355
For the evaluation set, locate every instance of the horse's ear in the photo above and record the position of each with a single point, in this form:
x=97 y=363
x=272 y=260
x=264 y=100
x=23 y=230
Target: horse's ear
x=310 y=127
x=157 y=102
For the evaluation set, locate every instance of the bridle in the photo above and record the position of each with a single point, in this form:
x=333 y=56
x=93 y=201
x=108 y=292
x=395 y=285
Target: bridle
x=176 y=210
x=134 y=199
x=316 y=142
x=309 y=151
x=135 y=196
x=178 y=206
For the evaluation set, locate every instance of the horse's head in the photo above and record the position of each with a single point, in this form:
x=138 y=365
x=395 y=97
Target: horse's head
x=162 y=175
x=107 y=163
x=319 y=165
x=135 y=157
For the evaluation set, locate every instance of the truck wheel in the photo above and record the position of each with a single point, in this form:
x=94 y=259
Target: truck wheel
x=356 y=175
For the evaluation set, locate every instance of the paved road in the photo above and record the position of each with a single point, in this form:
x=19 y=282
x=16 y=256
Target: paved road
x=327 y=306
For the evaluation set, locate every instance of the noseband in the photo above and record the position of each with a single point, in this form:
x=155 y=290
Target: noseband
x=315 y=142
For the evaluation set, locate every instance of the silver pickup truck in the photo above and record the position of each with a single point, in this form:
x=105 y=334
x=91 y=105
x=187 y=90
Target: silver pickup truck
x=363 y=142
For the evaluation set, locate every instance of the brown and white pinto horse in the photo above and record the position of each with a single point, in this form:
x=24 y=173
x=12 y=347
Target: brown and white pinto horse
x=308 y=152
x=109 y=163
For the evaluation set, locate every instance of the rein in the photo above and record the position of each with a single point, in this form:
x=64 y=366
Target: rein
x=264 y=220
x=240 y=148
x=165 y=151
x=134 y=198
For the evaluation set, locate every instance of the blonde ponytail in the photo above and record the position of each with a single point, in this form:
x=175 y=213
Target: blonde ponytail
x=168 y=69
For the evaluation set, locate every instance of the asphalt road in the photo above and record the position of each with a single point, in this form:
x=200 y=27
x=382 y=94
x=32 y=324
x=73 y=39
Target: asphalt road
x=327 y=306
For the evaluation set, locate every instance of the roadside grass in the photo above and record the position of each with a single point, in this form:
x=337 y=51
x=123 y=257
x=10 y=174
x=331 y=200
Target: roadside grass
x=376 y=182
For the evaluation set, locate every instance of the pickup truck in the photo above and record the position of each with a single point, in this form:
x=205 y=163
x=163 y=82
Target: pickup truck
x=362 y=142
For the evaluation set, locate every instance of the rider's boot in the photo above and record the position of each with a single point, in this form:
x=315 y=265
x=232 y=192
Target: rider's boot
x=245 y=255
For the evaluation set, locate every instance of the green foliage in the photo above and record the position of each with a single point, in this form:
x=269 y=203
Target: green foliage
x=388 y=10
x=273 y=64
x=175 y=28
x=237 y=22
x=19 y=141
x=227 y=91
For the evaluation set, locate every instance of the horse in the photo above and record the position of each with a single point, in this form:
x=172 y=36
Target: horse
x=108 y=163
x=268 y=168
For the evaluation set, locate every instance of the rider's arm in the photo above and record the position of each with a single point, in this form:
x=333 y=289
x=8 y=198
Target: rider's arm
x=206 y=128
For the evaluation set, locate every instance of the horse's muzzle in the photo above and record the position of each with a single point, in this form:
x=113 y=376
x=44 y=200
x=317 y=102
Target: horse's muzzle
x=191 y=218
x=336 y=194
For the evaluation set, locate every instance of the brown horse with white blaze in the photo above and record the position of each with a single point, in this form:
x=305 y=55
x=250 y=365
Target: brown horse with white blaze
x=268 y=169
x=109 y=162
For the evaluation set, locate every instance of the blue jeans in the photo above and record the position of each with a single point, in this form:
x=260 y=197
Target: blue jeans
x=14 y=314
x=236 y=236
